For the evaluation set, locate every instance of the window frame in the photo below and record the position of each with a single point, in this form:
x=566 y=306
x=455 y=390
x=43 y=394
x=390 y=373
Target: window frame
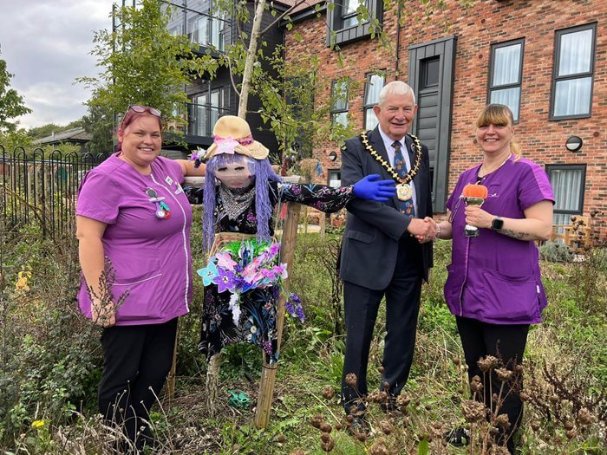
x=223 y=94
x=569 y=167
x=491 y=88
x=556 y=63
x=334 y=110
x=366 y=104
x=339 y=33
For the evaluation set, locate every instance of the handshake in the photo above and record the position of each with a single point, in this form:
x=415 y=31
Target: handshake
x=426 y=230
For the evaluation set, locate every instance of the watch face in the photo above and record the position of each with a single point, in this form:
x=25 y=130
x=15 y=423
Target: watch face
x=497 y=224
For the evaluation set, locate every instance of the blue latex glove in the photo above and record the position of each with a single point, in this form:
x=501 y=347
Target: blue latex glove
x=374 y=189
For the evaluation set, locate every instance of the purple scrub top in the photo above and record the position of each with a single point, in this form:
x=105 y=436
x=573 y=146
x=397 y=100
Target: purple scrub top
x=150 y=256
x=494 y=278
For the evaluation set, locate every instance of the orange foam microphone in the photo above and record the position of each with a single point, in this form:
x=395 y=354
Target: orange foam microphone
x=474 y=194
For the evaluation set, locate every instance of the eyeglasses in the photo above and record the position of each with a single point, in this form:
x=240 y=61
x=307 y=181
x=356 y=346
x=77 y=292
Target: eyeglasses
x=141 y=109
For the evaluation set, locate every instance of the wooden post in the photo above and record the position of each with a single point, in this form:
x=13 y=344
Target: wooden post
x=268 y=373
x=171 y=377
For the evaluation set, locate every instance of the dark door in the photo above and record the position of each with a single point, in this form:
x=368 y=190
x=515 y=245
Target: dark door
x=431 y=76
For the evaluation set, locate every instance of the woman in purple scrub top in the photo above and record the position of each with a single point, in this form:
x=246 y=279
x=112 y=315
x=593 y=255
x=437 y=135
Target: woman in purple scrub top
x=494 y=285
x=132 y=212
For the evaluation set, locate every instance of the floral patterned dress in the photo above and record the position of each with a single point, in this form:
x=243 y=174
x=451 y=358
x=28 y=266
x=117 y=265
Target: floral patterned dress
x=255 y=321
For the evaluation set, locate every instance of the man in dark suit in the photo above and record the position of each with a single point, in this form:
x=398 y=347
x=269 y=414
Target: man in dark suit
x=386 y=249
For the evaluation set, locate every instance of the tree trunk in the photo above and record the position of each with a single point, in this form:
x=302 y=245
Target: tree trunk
x=247 y=74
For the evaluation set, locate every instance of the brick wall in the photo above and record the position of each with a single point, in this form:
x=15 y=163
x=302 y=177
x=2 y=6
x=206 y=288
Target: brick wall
x=484 y=23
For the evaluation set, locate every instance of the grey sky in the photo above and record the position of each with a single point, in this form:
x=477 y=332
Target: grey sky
x=46 y=45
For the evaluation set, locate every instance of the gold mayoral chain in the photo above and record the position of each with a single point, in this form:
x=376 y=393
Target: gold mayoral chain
x=404 y=192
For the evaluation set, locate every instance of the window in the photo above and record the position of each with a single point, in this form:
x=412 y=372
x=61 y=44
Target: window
x=349 y=17
x=339 y=104
x=206 y=109
x=375 y=83
x=568 y=185
x=573 y=72
x=505 y=75
x=208 y=30
x=334 y=178
x=344 y=24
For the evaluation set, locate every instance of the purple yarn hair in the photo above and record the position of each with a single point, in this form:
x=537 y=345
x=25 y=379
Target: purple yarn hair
x=263 y=173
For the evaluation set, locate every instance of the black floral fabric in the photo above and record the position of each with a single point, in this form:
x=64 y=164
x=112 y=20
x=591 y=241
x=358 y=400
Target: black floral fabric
x=257 y=319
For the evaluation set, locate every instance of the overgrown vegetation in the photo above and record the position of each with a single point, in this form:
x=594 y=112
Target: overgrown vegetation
x=50 y=365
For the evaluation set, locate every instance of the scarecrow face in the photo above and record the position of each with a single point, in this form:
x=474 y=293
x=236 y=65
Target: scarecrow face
x=236 y=172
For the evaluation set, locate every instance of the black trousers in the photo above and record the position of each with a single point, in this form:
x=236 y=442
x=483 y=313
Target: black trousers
x=507 y=343
x=136 y=362
x=402 y=308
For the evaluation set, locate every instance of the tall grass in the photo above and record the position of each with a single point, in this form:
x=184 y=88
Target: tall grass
x=51 y=363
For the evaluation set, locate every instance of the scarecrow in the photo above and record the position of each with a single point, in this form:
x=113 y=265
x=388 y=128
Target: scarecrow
x=243 y=274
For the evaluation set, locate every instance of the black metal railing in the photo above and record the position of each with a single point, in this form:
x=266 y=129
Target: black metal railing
x=41 y=187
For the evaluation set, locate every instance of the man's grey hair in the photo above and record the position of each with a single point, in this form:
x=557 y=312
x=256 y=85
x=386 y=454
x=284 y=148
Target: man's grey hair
x=395 y=88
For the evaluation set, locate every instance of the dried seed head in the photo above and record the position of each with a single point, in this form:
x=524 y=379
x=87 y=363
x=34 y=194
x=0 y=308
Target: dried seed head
x=476 y=387
x=382 y=397
x=488 y=363
x=386 y=427
x=381 y=369
x=571 y=434
x=351 y=379
x=473 y=411
x=328 y=446
x=338 y=426
x=373 y=397
x=403 y=401
x=281 y=438
x=379 y=448
x=524 y=396
x=328 y=392
x=325 y=427
x=502 y=421
x=503 y=374
x=535 y=425
x=349 y=418
x=584 y=417
x=325 y=437
x=456 y=360
x=297 y=452
x=361 y=436
x=569 y=425
x=316 y=421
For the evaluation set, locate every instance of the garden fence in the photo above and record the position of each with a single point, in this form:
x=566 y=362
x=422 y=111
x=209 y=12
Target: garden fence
x=41 y=187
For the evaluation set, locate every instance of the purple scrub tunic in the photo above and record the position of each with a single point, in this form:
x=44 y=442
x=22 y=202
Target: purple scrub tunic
x=150 y=256
x=494 y=278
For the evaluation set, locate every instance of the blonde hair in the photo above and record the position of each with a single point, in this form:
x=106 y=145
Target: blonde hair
x=500 y=115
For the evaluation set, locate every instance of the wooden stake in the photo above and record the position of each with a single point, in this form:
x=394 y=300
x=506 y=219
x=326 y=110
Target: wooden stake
x=268 y=373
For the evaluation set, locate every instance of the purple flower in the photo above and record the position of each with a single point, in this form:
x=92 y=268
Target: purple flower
x=294 y=307
x=225 y=280
x=267 y=346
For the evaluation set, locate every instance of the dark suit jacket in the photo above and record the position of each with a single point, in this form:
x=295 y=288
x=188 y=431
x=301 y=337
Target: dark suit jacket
x=373 y=229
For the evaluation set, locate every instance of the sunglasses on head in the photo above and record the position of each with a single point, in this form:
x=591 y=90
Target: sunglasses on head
x=141 y=109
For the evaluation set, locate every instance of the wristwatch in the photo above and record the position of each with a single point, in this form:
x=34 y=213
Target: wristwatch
x=497 y=223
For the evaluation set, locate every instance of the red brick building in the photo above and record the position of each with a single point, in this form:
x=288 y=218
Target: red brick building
x=546 y=59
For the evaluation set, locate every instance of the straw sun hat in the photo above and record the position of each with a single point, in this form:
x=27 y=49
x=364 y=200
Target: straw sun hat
x=232 y=134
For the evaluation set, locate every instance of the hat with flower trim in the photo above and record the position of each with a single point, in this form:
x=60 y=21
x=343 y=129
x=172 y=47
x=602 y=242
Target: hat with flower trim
x=232 y=134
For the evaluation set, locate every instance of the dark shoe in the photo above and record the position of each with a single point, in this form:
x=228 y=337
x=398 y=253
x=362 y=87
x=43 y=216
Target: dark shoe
x=458 y=437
